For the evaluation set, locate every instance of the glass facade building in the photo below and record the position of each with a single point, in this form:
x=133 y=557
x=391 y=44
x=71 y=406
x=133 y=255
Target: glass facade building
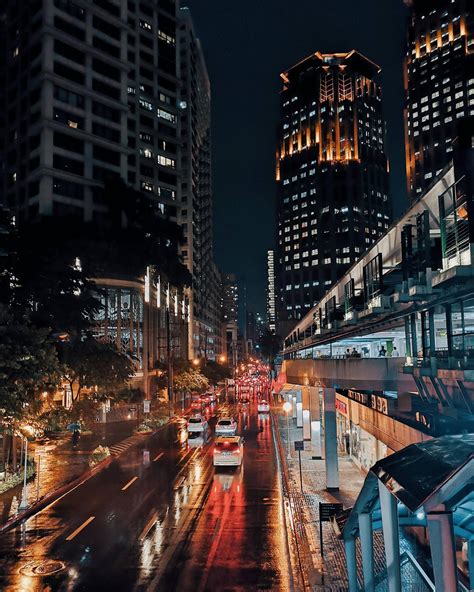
x=439 y=80
x=331 y=175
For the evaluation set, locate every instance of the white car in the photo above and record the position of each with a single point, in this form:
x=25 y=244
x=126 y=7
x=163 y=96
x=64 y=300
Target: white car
x=263 y=407
x=228 y=451
x=226 y=426
x=212 y=397
x=196 y=423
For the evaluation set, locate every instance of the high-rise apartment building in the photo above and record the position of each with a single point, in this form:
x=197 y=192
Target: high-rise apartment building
x=332 y=176
x=230 y=298
x=92 y=92
x=195 y=215
x=271 y=291
x=439 y=79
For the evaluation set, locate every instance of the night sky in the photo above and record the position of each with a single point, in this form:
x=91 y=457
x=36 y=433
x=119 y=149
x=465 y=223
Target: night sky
x=247 y=43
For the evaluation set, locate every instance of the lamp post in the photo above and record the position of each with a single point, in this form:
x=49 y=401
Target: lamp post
x=287 y=408
x=24 y=493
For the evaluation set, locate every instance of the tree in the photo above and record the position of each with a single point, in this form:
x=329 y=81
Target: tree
x=28 y=365
x=190 y=381
x=215 y=372
x=90 y=364
x=270 y=344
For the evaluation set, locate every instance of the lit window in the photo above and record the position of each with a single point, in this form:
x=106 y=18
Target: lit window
x=162 y=114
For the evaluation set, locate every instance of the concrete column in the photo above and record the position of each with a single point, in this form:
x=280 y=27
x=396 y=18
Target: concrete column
x=351 y=565
x=330 y=439
x=306 y=425
x=367 y=548
x=388 y=506
x=316 y=439
x=443 y=552
x=299 y=415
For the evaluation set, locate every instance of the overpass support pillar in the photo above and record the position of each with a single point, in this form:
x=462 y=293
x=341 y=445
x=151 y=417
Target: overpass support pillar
x=367 y=548
x=443 y=552
x=351 y=564
x=389 y=509
x=330 y=439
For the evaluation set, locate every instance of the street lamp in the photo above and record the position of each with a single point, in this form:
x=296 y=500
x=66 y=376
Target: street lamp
x=24 y=493
x=287 y=408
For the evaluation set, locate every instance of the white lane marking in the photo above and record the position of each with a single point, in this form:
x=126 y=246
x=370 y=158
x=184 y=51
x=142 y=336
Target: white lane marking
x=158 y=456
x=129 y=483
x=78 y=530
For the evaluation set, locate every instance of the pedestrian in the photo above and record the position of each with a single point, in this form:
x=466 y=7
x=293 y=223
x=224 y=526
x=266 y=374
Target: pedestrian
x=354 y=353
x=382 y=352
x=348 y=353
x=395 y=353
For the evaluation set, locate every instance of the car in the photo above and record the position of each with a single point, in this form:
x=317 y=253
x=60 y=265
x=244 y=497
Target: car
x=205 y=399
x=263 y=406
x=212 y=397
x=228 y=451
x=196 y=405
x=196 y=439
x=226 y=426
x=196 y=423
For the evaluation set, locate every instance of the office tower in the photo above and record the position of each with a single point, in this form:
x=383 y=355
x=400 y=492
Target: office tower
x=439 y=80
x=230 y=298
x=271 y=293
x=92 y=93
x=195 y=216
x=331 y=174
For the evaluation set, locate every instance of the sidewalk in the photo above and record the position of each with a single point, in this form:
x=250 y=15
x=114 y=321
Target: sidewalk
x=61 y=464
x=329 y=574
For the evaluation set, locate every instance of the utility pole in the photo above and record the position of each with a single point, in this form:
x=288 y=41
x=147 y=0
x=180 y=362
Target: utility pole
x=170 y=362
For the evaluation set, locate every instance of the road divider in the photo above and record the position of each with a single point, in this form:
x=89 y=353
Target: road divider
x=79 y=529
x=125 y=487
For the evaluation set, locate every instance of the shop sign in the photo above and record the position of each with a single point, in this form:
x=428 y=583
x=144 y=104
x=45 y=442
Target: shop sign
x=341 y=406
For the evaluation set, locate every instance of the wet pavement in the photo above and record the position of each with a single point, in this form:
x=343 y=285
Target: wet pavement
x=59 y=463
x=161 y=518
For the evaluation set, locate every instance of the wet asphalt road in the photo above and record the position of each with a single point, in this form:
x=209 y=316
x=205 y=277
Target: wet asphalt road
x=168 y=523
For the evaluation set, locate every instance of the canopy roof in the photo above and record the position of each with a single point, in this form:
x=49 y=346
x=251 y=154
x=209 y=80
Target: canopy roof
x=421 y=476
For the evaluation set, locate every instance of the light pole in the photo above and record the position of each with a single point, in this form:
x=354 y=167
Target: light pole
x=24 y=494
x=287 y=408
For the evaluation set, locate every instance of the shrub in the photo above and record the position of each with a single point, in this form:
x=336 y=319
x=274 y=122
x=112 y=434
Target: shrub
x=98 y=455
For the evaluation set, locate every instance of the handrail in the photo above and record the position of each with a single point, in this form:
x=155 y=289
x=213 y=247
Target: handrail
x=419 y=569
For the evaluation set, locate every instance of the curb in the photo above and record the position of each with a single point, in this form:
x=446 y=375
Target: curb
x=298 y=535
x=67 y=487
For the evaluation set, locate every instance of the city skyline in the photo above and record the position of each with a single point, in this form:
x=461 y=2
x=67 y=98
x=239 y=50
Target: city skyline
x=249 y=150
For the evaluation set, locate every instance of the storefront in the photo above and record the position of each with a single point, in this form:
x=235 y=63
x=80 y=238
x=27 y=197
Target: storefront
x=343 y=425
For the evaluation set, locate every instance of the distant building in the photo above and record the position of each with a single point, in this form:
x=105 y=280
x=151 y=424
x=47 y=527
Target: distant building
x=92 y=93
x=195 y=213
x=271 y=290
x=439 y=79
x=332 y=178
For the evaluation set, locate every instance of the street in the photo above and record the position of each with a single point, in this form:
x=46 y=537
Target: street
x=162 y=518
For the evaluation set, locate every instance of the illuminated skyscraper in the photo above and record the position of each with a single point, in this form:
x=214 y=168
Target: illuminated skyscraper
x=439 y=77
x=271 y=304
x=331 y=173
